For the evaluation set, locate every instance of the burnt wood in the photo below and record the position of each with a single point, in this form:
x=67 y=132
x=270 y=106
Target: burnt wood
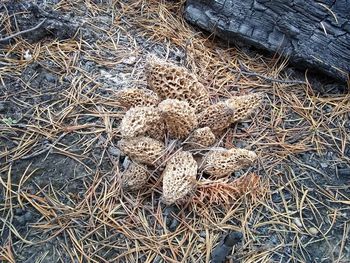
x=33 y=23
x=313 y=34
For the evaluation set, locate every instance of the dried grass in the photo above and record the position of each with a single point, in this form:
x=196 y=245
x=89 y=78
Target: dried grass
x=105 y=224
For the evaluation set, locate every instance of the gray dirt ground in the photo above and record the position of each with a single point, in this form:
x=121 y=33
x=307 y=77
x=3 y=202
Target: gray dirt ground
x=68 y=110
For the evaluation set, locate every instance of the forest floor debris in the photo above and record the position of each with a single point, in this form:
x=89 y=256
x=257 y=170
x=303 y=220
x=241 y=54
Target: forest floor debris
x=60 y=200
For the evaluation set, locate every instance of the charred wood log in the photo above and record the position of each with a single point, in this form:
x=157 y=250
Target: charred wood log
x=34 y=23
x=313 y=34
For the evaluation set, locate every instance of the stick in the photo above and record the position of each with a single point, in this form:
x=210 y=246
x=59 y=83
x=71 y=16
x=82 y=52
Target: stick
x=46 y=148
x=243 y=70
x=22 y=32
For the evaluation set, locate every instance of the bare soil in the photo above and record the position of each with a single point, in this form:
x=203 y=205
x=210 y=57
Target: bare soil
x=60 y=199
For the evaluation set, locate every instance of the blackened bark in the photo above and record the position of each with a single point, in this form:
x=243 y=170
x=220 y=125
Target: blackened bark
x=315 y=34
x=26 y=15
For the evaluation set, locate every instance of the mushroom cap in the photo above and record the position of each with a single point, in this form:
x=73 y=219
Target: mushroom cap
x=133 y=97
x=244 y=105
x=135 y=177
x=143 y=149
x=179 y=177
x=170 y=81
x=217 y=117
x=157 y=131
x=179 y=117
x=142 y=120
x=222 y=162
x=200 y=138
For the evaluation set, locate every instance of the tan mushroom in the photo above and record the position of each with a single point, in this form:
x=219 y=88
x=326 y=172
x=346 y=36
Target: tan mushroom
x=133 y=97
x=143 y=149
x=200 y=138
x=243 y=106
x=144 y=120
x=179 y=117
x=222 y=162
x=135 y=177
x=179 y=177
x=217 y=117
x=170 y=81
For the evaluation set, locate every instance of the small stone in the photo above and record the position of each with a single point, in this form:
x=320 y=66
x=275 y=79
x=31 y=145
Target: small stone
x=304 y=156
x=28 y=216
x=298 y=222
x=241 y=144
x=2 y=106
x=126 y=163
x=233 y=238
x=73 y=188
x=245 y=125
x=274 y=240
x=114 y=151
x=313 y=231
x=168 y=210
x=27 y=56
x=328 y=109
x=130 y=60
x=238 y=174
x=158 y=259
x=50 y=78
x=171 y=222
x=203 y=234
x=344 y=172
x=324 y=165
x=20 y=220
x=224 y=248
x=173 y=225
x=47 y=97
x=19 y=211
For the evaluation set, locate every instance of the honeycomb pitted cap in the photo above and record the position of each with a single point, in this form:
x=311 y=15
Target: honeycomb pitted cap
x=133 y=97
x=143 y=149
x=217 y=117
x=135 y=177
x=144 y=120
x=179 y=117
x=200 y=138
x=222 y=162
x=243 y=106
x=170 y=81
x=179 y=177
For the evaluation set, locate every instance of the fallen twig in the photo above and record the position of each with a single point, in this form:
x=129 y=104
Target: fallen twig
x=23 y=32
x=246 y=72
x=46 y=148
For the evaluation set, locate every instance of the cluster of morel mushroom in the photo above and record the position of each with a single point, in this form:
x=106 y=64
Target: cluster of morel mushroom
x=177 y=106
